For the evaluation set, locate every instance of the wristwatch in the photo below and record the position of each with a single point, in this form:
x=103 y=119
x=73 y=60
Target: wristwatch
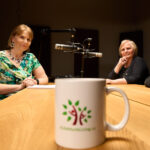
x=37 y=80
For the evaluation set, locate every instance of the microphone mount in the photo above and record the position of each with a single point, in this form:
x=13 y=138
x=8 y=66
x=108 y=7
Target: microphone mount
x=83 y=49
x=79 y=48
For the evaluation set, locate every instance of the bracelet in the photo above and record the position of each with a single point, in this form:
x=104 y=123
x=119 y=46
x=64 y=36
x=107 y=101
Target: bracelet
x=37 y=80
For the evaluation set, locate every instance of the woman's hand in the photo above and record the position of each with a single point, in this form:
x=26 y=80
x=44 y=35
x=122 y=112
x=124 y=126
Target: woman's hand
x=108 y=81
x=116 y=81
x=123 y=61
x=22 y=86
x=29 y=82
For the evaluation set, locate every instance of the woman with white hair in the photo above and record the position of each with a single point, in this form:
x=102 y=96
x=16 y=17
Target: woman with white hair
x=130 y=69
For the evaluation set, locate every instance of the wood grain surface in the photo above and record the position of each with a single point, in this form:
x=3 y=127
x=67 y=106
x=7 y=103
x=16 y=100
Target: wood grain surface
x=27 y=121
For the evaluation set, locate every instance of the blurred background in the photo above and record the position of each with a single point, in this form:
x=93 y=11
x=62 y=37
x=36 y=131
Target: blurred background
x=106 y=22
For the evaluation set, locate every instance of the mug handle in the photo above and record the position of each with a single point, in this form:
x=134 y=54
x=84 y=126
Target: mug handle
x=124 y=120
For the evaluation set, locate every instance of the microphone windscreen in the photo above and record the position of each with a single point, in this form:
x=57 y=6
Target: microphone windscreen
x=147 y=82
x=99 y=55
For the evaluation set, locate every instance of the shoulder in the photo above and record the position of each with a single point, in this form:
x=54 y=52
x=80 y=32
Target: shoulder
x=138 y=59
x=30 y=55
x=2 y=52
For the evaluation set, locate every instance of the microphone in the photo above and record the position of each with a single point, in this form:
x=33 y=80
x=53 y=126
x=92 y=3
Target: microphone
x=93 y=54
x=76 y=49
x=66 y=47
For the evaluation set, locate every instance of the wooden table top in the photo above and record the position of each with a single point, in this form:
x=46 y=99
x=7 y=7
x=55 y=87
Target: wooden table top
x=138 y=93
x=27 y=120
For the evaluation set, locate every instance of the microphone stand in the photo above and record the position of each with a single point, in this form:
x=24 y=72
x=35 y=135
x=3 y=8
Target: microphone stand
x=84 y=53
x=81 y=50
x=82 y=66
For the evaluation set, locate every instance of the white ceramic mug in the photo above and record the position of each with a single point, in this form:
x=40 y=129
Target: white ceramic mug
x=80 y=112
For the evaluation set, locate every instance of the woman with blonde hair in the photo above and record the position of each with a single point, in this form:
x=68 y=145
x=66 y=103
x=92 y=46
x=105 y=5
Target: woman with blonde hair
x=18 y=67
x=130 y=69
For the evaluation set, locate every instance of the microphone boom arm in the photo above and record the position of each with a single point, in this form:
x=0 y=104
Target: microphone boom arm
x=79 y=48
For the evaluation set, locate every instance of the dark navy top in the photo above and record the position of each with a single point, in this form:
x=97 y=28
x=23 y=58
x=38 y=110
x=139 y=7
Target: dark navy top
x=136 y=73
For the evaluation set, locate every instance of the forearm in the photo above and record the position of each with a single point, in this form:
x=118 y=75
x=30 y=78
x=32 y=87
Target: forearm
x=40 y=74
x=43 y=80
x=113 y=75
x=122 y=62
x=116 y=81
x=117 y=68
x=10 y=88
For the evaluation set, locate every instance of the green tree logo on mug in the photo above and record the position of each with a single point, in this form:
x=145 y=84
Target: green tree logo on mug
x=76 y=113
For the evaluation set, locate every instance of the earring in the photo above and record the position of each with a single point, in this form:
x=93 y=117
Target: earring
x=12 y=44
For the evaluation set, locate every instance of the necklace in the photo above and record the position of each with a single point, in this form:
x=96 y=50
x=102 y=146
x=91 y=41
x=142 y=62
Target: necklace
x=17 y=60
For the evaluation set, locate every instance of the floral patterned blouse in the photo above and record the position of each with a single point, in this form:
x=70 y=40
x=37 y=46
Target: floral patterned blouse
x=10 y=74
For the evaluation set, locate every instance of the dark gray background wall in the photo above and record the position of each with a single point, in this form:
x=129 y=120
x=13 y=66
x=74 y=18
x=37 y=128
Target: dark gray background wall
x=109 y=17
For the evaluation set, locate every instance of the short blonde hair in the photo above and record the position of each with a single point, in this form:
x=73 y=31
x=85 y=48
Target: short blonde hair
x=132 y=43
x=18 y=30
